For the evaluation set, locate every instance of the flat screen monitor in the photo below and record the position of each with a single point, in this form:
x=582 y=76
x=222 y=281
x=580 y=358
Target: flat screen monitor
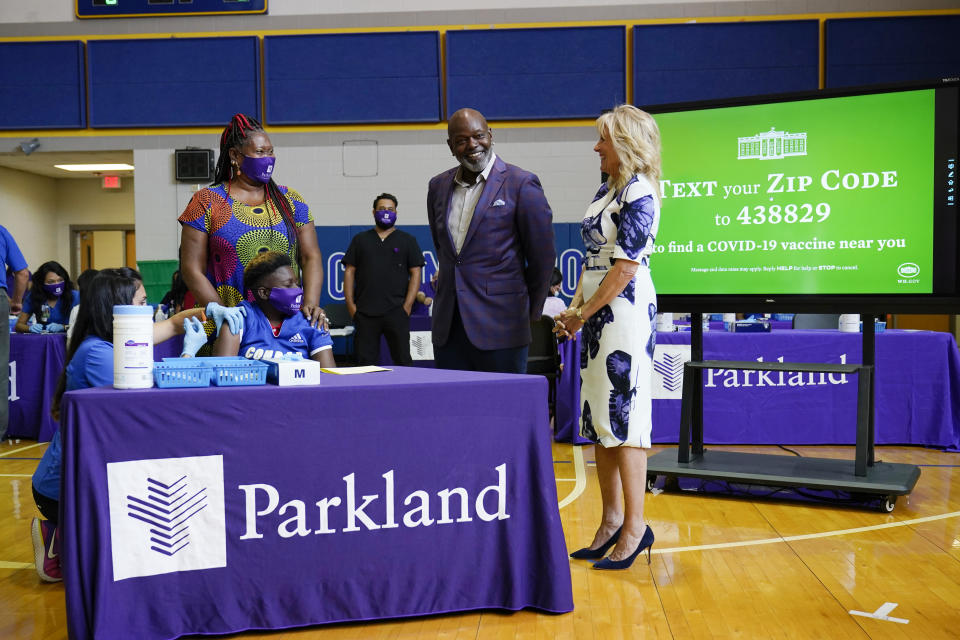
x=840 y=200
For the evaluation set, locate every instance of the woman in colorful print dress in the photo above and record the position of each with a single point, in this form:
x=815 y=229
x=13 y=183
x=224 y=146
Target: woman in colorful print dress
x=615 y=304
x=242 y=214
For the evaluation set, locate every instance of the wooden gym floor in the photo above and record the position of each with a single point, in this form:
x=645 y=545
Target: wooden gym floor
x=723 y=566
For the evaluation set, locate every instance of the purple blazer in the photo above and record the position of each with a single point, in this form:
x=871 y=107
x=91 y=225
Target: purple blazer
x=501 y=276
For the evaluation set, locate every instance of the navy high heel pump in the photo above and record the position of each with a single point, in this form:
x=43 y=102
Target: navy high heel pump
x=646 y=542
x=592 y=554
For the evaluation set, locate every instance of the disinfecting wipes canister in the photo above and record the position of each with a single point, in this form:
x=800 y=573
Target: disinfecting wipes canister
x=850 y=322
x=132 y=346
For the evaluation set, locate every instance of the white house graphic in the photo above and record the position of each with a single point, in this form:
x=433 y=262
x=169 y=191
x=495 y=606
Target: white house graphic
x=772 y=145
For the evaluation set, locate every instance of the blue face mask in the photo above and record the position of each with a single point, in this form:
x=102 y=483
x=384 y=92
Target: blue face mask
x=260 y=169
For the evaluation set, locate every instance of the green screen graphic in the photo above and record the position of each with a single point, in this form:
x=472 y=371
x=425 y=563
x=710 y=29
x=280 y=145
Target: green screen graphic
x=831 y=196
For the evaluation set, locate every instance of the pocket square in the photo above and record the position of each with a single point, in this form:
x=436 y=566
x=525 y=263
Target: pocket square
x=498 y=203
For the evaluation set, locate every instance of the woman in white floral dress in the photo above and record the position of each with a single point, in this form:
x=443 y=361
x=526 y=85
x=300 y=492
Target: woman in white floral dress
x=615 y=304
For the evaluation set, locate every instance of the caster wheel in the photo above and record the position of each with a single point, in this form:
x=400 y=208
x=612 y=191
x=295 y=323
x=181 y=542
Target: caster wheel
x=888 y=504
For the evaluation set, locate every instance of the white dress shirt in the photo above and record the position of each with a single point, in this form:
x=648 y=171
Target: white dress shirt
x=464 y=201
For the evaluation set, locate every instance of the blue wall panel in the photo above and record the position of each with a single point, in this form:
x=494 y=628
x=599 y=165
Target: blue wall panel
x=366 y=77
x=173 y=81
x=41 y=85
x=536 y=73
x=886 y=50
x=687 y=62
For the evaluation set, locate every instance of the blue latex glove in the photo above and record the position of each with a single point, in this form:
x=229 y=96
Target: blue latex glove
x=56 y=327
x=194 y=336
x=36 y=328
x=233 y=316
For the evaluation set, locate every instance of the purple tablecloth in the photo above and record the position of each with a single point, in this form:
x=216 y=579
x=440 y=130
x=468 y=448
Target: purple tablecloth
x=372 y=496
x=567 y=420
x=36 y=361
x=917 y=389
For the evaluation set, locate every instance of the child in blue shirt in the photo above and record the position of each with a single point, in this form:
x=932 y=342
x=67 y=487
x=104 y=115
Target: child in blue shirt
x=274 y=325
x=50 y=299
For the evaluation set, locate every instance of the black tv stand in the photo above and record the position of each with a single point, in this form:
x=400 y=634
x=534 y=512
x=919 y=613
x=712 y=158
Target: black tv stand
x=863 y=476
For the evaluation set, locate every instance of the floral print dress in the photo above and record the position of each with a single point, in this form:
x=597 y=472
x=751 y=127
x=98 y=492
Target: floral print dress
x=238 y=232
x=616 y=347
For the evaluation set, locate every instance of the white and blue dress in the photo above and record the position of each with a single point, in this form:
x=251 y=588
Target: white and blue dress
x=616 y=348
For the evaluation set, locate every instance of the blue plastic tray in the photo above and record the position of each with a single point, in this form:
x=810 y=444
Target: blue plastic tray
x=240 y=373
x=231 y=371
x=184 y=373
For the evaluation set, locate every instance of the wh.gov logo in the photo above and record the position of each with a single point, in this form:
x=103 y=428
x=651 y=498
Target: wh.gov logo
x=166 y=515
x=771 y=145
x=668 y=360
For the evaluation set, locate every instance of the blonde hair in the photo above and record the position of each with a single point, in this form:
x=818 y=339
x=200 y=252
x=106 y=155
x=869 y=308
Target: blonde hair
x=636 y=139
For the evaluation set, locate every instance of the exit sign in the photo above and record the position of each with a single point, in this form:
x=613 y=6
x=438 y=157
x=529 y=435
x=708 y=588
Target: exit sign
x=154 y=8
x=111 y=182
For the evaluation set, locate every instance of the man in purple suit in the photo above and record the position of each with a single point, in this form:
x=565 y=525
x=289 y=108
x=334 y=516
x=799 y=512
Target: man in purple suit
x=493 y=232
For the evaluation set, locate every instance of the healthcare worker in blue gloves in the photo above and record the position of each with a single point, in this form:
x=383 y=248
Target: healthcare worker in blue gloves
x=90 y=364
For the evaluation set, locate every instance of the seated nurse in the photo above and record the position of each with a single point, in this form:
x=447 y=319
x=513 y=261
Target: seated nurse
x=50 y=299
x=90 y=364
x=274 y=325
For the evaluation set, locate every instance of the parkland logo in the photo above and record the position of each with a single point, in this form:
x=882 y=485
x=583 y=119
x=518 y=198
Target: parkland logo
x=296 y=339
x=421 y=345
x=668 y=360
x=167 y=508
x=166 y=515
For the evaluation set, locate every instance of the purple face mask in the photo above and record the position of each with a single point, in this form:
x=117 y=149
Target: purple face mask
x=385 y=218
x=286 y=301
x=55 y=290
x=260 y=169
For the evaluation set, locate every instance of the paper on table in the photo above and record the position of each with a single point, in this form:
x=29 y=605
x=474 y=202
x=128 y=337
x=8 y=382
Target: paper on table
x=349 y=370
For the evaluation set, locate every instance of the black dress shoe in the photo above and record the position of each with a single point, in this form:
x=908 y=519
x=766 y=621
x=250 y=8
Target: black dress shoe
x=592 y=554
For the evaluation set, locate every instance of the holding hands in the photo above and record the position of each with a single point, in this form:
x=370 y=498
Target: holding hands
x=568 y=322
x=233 y=316
x=194 y=336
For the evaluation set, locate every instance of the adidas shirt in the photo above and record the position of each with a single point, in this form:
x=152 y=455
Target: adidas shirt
x=296 y=336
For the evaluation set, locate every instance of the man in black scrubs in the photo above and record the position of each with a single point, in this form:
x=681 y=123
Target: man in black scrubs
x=380 y=284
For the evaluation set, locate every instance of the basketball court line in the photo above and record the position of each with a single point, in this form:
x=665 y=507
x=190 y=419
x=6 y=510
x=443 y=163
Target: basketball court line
x=19 y=449
x=581 y=478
